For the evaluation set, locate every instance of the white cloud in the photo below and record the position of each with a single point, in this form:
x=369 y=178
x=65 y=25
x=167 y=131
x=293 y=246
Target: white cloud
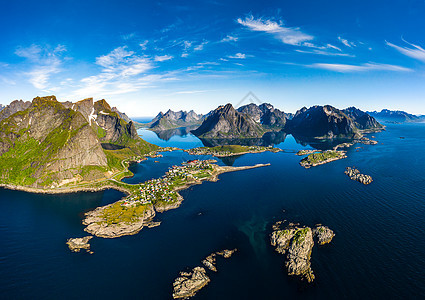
x=238 y=56
x=200 y=46
x=416 y=52
x=230 y=38
x=122 y=72
x=347 y=43
x=184 y=55
x=144 y=45
x=44 y=62
x=322 y=52
x=344 y=68
x=163 y=57
x=288 y=35
x=114 y=58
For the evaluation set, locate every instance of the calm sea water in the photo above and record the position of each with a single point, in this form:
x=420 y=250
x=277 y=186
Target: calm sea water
x=378 y=251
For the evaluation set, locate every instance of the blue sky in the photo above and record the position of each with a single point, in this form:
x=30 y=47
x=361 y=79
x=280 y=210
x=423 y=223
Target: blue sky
x=148 y=56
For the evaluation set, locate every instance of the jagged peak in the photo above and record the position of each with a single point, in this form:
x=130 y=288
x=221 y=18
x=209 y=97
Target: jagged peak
x=102 y=105
x=39 y=100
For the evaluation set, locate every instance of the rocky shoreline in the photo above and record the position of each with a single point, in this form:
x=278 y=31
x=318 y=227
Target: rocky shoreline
x=296 y=242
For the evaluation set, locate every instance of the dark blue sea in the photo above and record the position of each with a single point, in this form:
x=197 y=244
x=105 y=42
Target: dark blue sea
x=378 y=251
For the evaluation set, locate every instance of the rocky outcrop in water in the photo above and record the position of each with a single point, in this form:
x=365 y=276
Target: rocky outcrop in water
x=76 y=244
x=189 y=283
x=296 y=242
x=323 y=234
x=355 y=174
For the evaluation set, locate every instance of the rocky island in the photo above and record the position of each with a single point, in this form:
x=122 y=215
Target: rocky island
x=322 y=157
x=76 y=244
x=296 y=243
x=355 y=174
x=189 y=283
x=230 y=150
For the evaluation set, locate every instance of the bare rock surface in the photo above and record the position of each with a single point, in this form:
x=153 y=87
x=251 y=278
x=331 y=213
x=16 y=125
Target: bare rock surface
x=355 y=174
x=189 y=283
x=296 y=242
x=76 y=244
x=323 y=234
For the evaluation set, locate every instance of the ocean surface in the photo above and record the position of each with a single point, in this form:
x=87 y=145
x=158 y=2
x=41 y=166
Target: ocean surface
x=378 y=251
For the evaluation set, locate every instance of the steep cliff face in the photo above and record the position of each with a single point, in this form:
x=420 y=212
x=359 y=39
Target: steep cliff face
x=172 y=119
x=106 y=122
x=322 y=122
x=13 y=107
x=49 y=142
x=265 y=114
x=362 y=120
x=226 y=122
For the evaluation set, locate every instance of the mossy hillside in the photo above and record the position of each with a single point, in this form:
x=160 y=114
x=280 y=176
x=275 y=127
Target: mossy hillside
x=27 y=157
x=118 y=212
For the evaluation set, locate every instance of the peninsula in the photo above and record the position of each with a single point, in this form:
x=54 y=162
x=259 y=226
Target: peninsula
x=129 y=215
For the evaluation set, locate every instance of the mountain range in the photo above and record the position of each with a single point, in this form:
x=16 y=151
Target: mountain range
x=397 y=116
x=47 y=143
x=318 y=122
x=172 y=119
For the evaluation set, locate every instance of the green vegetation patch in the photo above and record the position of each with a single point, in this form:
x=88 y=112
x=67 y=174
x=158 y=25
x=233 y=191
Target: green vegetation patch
x=119 y=213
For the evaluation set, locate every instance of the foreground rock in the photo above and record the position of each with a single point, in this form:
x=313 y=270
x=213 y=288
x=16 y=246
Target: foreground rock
x=76 y=244
x=355 y=174
x=189 y=283
x=296 y=243
x=323 y=234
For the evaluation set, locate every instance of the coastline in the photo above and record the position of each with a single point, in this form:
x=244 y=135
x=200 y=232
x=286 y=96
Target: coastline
x=97 y=225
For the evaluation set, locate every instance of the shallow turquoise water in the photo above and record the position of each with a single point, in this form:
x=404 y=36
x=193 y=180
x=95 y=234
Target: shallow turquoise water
x=378 y=251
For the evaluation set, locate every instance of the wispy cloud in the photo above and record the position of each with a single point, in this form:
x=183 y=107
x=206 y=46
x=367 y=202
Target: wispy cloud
x=229 y=38
x=238 y=56
x=415 y=51
x=288 y=35
x=144 y=45
x=347 y=42
x=323 y=52
x=163 y=57
x=122 y=72
x=344 y=68
x=200 y=46
x=44 y=61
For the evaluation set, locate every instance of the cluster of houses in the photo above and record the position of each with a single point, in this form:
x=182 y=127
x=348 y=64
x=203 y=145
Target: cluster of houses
x=161 y=189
